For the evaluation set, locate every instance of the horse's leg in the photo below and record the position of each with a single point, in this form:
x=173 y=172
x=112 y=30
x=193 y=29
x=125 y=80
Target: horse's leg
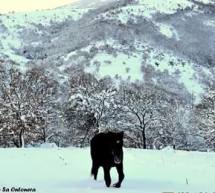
x=107 y=175
x=121 y=175
x=94 y=170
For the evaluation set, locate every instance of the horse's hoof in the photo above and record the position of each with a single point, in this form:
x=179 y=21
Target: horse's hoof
x=117 y=185
x=107 y=185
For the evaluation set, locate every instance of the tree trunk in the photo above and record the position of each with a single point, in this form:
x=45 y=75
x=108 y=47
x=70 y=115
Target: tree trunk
x=21 y=139
x=44 y=135
x=144 y=137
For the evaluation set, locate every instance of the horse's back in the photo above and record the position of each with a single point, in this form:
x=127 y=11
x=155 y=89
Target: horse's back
x=99 y=146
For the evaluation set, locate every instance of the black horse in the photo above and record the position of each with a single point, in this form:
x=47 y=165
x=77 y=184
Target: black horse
x=106 y=151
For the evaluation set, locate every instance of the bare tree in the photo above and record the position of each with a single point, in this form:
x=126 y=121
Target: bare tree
x=205 y=117
x=26 y=104
x=140 y=103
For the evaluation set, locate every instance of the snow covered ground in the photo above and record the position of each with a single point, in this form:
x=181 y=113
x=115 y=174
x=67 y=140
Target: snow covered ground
x=53 y=170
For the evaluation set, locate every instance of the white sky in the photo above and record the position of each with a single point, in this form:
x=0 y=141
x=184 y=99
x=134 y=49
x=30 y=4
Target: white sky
x=29 y=5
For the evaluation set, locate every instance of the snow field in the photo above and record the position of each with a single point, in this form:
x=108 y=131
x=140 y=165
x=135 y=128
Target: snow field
x=121 y=66
x=54 y=170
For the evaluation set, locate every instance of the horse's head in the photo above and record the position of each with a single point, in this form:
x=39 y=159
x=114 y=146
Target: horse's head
x=116 y=147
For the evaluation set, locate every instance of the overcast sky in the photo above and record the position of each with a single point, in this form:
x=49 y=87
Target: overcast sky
x=29 y=5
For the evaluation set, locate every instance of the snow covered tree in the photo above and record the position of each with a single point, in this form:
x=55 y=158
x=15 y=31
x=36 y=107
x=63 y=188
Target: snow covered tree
x=91 y=106
x=26 y=105
x=172 y=128
x=78 y=114
x=205 y=117
x=140 y=104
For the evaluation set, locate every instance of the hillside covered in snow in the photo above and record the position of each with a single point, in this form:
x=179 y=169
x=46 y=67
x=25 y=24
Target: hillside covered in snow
x=123 y=39
x=129 y=36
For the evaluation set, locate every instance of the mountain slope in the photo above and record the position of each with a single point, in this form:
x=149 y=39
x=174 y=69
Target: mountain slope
x=169 y=43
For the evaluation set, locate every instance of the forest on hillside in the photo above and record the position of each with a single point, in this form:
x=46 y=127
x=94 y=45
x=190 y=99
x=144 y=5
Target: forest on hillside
x=36 y=109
